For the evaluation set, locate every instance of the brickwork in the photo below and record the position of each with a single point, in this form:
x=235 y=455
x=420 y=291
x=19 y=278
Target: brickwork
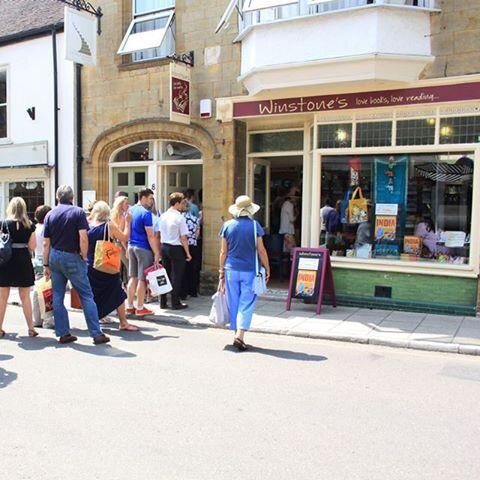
x=455 y=39
x=125 y=103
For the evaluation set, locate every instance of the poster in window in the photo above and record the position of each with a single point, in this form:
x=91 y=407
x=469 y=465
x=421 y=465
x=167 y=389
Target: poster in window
x=179 y=93
x=385 y=227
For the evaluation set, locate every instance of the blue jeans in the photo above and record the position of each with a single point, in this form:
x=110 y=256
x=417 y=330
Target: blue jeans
x=240 y=298
x=70 y=266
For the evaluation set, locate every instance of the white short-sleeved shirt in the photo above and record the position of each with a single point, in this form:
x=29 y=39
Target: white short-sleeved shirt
x=172 y=227
x=287 y=218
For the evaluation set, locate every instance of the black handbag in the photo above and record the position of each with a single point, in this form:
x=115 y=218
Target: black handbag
x=5 y=244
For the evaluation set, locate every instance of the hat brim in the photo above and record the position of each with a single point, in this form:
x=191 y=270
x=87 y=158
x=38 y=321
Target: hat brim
x=250 y=210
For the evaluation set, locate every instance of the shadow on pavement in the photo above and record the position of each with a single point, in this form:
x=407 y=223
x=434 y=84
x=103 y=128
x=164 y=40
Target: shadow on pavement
x=138 y=336
x=41 y=343
x=285 y=354
x=6 y=377
x=175 y=323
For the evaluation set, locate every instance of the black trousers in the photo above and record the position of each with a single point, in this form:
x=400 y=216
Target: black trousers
x=191 y=277
x=173 y=259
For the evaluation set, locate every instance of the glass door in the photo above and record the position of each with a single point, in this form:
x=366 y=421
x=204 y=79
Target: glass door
x=260 y=189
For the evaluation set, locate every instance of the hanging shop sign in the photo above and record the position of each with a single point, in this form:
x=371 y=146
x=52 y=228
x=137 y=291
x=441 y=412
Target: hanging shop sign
x=347 y=101
x=311 y=276
x=80 y=37
x=179 y=93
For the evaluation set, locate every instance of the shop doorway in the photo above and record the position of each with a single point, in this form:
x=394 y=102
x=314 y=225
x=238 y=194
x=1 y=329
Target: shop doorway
x=179 y=178
x=276 y=184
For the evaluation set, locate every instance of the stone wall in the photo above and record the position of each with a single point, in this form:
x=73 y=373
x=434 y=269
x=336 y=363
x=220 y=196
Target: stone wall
x=125 y=102
x=455 y=39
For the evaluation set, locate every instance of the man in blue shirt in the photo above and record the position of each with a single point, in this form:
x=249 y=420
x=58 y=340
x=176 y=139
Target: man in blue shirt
x=65 y=248
x=143 y=252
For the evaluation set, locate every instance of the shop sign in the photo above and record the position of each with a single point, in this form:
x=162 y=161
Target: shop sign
x=348 y=101
x=179 y=93
x=311 y=276
x=80 y=37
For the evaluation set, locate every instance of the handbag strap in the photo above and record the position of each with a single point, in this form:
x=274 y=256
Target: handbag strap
x=106 y=232
x=360 y=194
x=256 y=250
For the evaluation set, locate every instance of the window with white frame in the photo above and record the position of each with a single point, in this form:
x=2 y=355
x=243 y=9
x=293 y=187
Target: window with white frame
x=151 y=33
x=3 y=103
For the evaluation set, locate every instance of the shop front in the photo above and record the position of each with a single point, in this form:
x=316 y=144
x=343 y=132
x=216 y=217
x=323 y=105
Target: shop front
x=401 y=168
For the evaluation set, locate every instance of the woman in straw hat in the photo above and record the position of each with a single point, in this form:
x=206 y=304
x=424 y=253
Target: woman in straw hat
x=238 y=266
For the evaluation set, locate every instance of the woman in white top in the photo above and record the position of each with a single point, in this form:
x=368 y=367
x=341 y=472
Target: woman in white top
x=287 y=224
x=40 y=214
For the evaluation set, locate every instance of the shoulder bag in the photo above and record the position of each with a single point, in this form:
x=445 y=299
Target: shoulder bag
x=259 y=282
x=107 y=254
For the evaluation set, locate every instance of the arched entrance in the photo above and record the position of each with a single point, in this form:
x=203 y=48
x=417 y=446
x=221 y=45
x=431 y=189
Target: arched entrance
x=138 y=131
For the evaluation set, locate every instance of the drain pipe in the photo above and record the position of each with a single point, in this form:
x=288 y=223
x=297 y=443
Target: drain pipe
x=78 y=127
x=55 y=106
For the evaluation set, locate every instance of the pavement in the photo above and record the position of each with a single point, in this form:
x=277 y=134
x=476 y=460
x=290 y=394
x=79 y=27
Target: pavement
x=421 y=331
x=178 y=402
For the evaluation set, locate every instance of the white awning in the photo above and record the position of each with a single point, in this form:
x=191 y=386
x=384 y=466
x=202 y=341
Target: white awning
x=252 y=5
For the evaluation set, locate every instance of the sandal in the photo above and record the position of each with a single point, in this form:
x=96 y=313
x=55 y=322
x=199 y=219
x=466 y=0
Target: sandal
x=32 y=333
x=130 y=328
x=240 y=344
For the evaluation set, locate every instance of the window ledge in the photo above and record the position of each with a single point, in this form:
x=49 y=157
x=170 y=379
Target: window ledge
x=6 y=141
x=399 y=266
x=150 y=63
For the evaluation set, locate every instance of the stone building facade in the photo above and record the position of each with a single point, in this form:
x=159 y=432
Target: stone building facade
x=126 y=102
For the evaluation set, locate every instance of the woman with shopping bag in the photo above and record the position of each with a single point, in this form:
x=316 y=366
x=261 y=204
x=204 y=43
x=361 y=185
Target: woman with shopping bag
x=104 y=258
x=240 y=275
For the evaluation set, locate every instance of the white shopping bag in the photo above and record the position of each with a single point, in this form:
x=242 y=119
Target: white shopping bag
x=158 y=281
x=219 y=312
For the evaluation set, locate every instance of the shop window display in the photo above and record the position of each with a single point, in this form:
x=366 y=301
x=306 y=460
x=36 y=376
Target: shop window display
x=411 y=207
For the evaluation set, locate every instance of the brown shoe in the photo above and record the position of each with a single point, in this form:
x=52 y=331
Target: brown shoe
x=101 y=339
x=67 y=338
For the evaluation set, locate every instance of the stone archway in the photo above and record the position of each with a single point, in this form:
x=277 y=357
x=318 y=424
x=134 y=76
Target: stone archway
x=140 y=130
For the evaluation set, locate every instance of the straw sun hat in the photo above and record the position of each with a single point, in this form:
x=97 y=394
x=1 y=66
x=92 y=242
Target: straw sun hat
x=243 y=206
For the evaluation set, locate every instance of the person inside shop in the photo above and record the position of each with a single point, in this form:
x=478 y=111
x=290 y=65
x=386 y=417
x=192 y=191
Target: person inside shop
x=288 y=216
x=426 y=231
x=324 y=211
x=333 y=226
x=364 y=238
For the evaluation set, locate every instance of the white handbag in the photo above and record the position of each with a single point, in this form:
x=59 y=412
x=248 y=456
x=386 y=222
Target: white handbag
x=259 y=282
x=219 y=311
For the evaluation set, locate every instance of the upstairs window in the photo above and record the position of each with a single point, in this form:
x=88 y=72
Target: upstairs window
x=151 y=33
x=3 y=104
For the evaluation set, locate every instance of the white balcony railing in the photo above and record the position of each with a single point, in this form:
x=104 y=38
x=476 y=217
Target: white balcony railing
x=304 y=8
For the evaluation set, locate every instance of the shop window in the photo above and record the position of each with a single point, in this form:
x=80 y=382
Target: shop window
x=460 y=130
x=416 y=131
x=33 y=192
x=3 y=103
x=336 y=135
x=151 y=33
x=276 y=141
x=374 y=134
x=139 y=152
x=410 y=207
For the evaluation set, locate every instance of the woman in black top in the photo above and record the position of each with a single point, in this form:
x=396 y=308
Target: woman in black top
x=18 y=271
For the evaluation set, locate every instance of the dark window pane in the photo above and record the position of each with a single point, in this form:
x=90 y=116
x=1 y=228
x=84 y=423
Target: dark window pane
x=276 y=142
x=135 y=153
x=416 y=132
x=32 y=192
x=460 y=130
x=3 y=87
x=3 y=122
x=336 y=135
x=139 y=178
x=374 y=134
x=122 y=179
